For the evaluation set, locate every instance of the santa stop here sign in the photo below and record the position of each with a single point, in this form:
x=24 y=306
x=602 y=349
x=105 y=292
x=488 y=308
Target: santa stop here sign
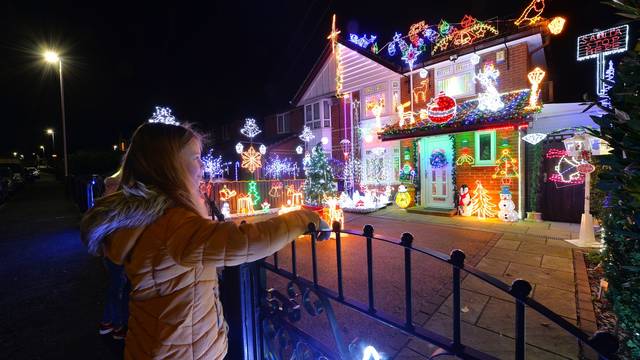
x=605 y=42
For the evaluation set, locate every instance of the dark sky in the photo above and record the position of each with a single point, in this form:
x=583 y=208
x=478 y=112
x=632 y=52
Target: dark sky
x=210 y=63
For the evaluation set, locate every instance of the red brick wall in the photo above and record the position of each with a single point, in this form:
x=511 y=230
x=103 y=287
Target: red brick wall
x=514 y=69
x=468 y=174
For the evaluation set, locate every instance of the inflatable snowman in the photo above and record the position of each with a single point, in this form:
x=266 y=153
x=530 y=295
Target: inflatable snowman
x=507 y=207
x=464 y=201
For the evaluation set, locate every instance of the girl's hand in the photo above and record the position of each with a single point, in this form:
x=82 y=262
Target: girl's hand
x=325 y=231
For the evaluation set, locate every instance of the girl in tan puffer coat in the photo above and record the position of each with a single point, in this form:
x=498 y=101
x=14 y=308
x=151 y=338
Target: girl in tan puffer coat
x=156 y=226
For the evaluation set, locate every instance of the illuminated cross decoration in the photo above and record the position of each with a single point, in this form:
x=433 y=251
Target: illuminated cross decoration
x=251 y=160
x=333 y=36
x=535 y=78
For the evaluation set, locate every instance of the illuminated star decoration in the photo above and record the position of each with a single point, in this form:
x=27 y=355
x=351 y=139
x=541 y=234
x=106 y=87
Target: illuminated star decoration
x=490 y=98
x=251 y=160
x=411 y=55
x=534 y=138
x=214 y=166
x=306 y=135
x=163 y=115
x=250 y=128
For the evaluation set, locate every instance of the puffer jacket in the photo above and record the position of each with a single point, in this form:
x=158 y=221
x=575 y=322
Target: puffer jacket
x=170 y=255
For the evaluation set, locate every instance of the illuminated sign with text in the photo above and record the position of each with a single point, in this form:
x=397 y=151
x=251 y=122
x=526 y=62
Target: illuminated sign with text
x=604 y=42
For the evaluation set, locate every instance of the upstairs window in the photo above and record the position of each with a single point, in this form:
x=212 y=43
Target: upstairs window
x=316 y=116
x=456 y=80
x=326 y=113
x=283 y=123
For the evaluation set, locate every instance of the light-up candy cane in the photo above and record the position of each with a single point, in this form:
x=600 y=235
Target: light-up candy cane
x=236 y=168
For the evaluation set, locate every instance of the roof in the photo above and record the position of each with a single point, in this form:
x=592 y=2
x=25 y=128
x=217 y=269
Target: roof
x=469 y=118
x=558 y=116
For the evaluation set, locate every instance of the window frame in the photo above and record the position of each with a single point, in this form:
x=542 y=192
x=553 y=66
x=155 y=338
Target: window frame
x=444 y=73
x=478 y=161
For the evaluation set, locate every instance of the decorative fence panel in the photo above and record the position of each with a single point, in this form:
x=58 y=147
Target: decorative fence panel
x=272 y=191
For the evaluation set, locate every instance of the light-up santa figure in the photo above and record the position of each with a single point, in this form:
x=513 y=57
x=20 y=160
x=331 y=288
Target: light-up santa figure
x=464 y=201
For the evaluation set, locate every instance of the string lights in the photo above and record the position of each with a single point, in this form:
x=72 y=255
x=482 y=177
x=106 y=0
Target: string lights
x=534 y=138
x=507 y=167
x=337 y=52
x=532 y=13
x=556 y=25
x=489 y=100
x=535 y=78
x=250 y=128
x=481 y=202
x=163 y=115
x=471 y=30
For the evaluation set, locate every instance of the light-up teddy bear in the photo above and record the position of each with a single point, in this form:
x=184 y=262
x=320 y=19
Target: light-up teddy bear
x=507 y=207
x=464 y=201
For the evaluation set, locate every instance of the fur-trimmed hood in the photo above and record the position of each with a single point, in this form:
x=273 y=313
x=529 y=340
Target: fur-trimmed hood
x=131 y=209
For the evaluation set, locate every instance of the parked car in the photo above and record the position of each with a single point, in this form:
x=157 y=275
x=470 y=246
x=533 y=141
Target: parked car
x=18 y=174
x=6 y=177
x=32 y=173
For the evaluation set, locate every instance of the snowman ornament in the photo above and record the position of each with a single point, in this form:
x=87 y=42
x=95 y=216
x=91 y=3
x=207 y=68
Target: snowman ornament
x=226 y=211
x=464 y=201
x=507 y=206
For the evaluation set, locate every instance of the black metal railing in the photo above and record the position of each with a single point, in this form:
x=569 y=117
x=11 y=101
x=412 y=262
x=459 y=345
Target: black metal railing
x=279 y=312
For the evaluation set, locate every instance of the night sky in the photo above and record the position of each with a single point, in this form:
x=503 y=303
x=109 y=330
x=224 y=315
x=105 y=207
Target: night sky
x=210 y=63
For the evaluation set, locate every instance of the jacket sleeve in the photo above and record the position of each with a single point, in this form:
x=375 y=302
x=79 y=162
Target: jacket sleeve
x=194 y=240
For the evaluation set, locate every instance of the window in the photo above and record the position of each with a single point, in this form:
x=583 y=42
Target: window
x=316 y=111
x=307 y=113
x=456 y=80
x=326 y=113
x=374 y=103
x=283 y=123
x=485 y=144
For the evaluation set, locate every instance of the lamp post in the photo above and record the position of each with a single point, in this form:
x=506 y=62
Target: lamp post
x=53 y=139
x=53 y=58
x=579 y=146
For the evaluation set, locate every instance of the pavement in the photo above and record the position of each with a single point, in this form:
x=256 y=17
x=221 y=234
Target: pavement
x=52 y=291
x=532 y=251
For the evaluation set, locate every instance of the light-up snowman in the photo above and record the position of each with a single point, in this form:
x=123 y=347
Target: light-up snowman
x=507 y=206
x=226 y=211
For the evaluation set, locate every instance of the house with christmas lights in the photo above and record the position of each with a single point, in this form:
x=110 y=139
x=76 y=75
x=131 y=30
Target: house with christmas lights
x=440 y=108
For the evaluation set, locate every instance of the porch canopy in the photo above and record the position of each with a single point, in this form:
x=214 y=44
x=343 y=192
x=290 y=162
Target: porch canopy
x=564 y=118
x=469 y=118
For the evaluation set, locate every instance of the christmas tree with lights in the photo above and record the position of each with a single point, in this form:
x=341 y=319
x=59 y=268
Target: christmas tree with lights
x=319 y=180
x=481 y=202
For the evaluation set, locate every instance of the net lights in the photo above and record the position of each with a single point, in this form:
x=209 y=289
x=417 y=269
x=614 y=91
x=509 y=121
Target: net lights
x=163 y=115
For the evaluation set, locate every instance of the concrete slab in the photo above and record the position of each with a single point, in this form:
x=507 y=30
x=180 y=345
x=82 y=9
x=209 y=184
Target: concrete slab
x=499 y=316
x=493 y=266
x=471 y=305
x=408 y=354
x=561 y=302
x=548 y=277
x=545 y=250
x=476 y=285
x=560 y=234
x=507 y=244
x=514 y=256
x=557 y=263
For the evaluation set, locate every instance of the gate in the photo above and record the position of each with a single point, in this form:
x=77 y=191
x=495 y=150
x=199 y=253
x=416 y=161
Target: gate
x=264 y=324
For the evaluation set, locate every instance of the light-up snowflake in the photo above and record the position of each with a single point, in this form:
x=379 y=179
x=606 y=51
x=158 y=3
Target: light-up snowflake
x=251 y=160
x=250 y=128
x=163 y=115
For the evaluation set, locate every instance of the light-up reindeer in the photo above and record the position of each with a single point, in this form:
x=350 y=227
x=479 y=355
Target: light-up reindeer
x=420 y=92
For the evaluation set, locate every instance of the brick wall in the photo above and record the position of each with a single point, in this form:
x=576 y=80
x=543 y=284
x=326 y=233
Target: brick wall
x=468 y=174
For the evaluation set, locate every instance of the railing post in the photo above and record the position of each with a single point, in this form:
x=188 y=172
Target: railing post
x=336 y=229
x=457 y=262
x=314 y=259
x=368 y=233
x=520 y=289
x=407 y=240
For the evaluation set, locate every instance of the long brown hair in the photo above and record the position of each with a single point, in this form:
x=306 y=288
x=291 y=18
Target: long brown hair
x=153 y=159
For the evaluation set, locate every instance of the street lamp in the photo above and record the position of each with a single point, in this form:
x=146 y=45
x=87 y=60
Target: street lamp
x=53 y=139
x=53 y=58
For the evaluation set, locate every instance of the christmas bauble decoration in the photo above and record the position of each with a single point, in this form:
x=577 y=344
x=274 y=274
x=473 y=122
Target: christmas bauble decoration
x=442 y=108
x=403 y=198
x=585 y=168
